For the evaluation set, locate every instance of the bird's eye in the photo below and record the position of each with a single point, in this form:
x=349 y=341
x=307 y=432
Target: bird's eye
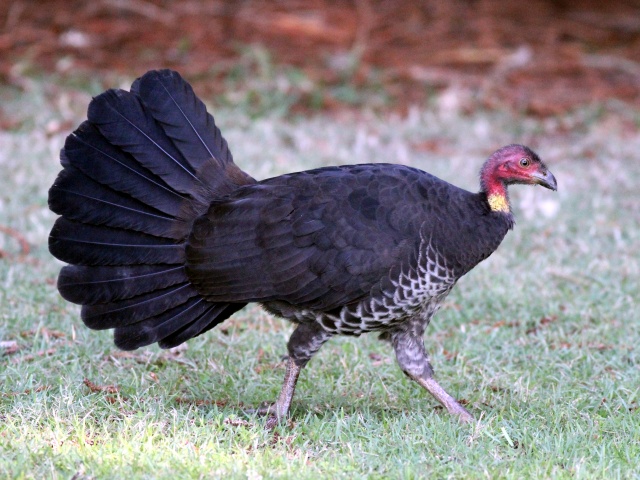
x=524 y=162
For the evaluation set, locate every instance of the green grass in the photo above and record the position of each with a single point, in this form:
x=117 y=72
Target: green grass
x=541 y=339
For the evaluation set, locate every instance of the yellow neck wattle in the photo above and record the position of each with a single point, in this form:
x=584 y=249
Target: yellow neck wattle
x=498 y=203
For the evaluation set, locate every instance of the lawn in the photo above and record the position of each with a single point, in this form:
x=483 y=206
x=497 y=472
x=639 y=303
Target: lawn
x=540 y=340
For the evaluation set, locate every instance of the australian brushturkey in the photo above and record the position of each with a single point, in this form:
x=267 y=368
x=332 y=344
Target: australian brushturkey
x=166 y=237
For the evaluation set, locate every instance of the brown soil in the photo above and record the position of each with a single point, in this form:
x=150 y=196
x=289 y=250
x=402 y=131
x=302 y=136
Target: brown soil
x=537 y=56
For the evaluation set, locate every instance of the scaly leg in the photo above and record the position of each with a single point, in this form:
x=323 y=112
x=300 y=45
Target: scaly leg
x=305 y=341
x=414 y=362
x=280 y=409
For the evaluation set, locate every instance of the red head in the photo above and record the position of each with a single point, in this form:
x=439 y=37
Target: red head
x=512 y=164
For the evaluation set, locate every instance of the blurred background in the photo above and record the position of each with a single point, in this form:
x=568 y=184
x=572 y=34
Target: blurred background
x=542 y=57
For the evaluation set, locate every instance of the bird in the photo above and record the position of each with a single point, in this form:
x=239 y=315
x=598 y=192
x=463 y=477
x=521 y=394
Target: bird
x=165 y=237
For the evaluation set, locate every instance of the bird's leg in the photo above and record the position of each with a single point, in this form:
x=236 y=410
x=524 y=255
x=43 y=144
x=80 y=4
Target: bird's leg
x=414 y=362
x=305 y=341
x=280 y=409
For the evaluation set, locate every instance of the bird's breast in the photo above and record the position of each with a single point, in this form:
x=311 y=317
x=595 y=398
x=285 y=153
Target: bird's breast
x=412 y=291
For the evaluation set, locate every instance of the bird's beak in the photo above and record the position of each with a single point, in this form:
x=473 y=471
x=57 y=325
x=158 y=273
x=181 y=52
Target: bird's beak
x=546 y=179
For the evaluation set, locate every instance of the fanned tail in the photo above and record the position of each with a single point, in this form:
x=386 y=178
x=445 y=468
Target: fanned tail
x=135 y=176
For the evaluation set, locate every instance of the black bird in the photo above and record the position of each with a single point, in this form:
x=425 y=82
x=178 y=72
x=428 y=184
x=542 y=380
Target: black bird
x=166 y=237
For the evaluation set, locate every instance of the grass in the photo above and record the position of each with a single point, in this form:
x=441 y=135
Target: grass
x=541 y=339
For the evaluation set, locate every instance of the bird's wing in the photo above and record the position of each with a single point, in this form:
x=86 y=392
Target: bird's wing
x=318 y=239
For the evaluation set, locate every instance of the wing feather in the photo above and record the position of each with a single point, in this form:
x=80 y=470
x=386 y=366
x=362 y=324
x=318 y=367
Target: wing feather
x=318 y=239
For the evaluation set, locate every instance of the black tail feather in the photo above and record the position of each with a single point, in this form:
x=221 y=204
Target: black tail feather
x=204 y=323
x=121 y=118
x=132 y=310
x=79 y=198
x=84 y=244
x=154 y=329
x=93 y=285
x=88 y=151
x=135 y=177
x=183 y=117
x=191 y=317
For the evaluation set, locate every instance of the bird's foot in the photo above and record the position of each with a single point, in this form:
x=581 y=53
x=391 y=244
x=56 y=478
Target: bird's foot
x=265 y=409
x=271 y=411
x=451 y=404
x=279 y=410
x=463 y=414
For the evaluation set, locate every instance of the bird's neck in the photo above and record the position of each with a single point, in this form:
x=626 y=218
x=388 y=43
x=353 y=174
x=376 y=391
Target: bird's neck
x=499 y=202
x=497 y=195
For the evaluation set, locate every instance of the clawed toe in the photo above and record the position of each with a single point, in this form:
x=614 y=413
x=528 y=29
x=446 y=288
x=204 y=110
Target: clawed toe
x=268 y=410
x=464 y=416
x=272 y=422
x=264 y=410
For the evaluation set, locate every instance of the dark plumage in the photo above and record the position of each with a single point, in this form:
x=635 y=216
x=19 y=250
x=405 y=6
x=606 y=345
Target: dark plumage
x=166 y=237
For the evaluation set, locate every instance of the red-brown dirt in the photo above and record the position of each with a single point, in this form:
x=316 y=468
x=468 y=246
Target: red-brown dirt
x=539 y=56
